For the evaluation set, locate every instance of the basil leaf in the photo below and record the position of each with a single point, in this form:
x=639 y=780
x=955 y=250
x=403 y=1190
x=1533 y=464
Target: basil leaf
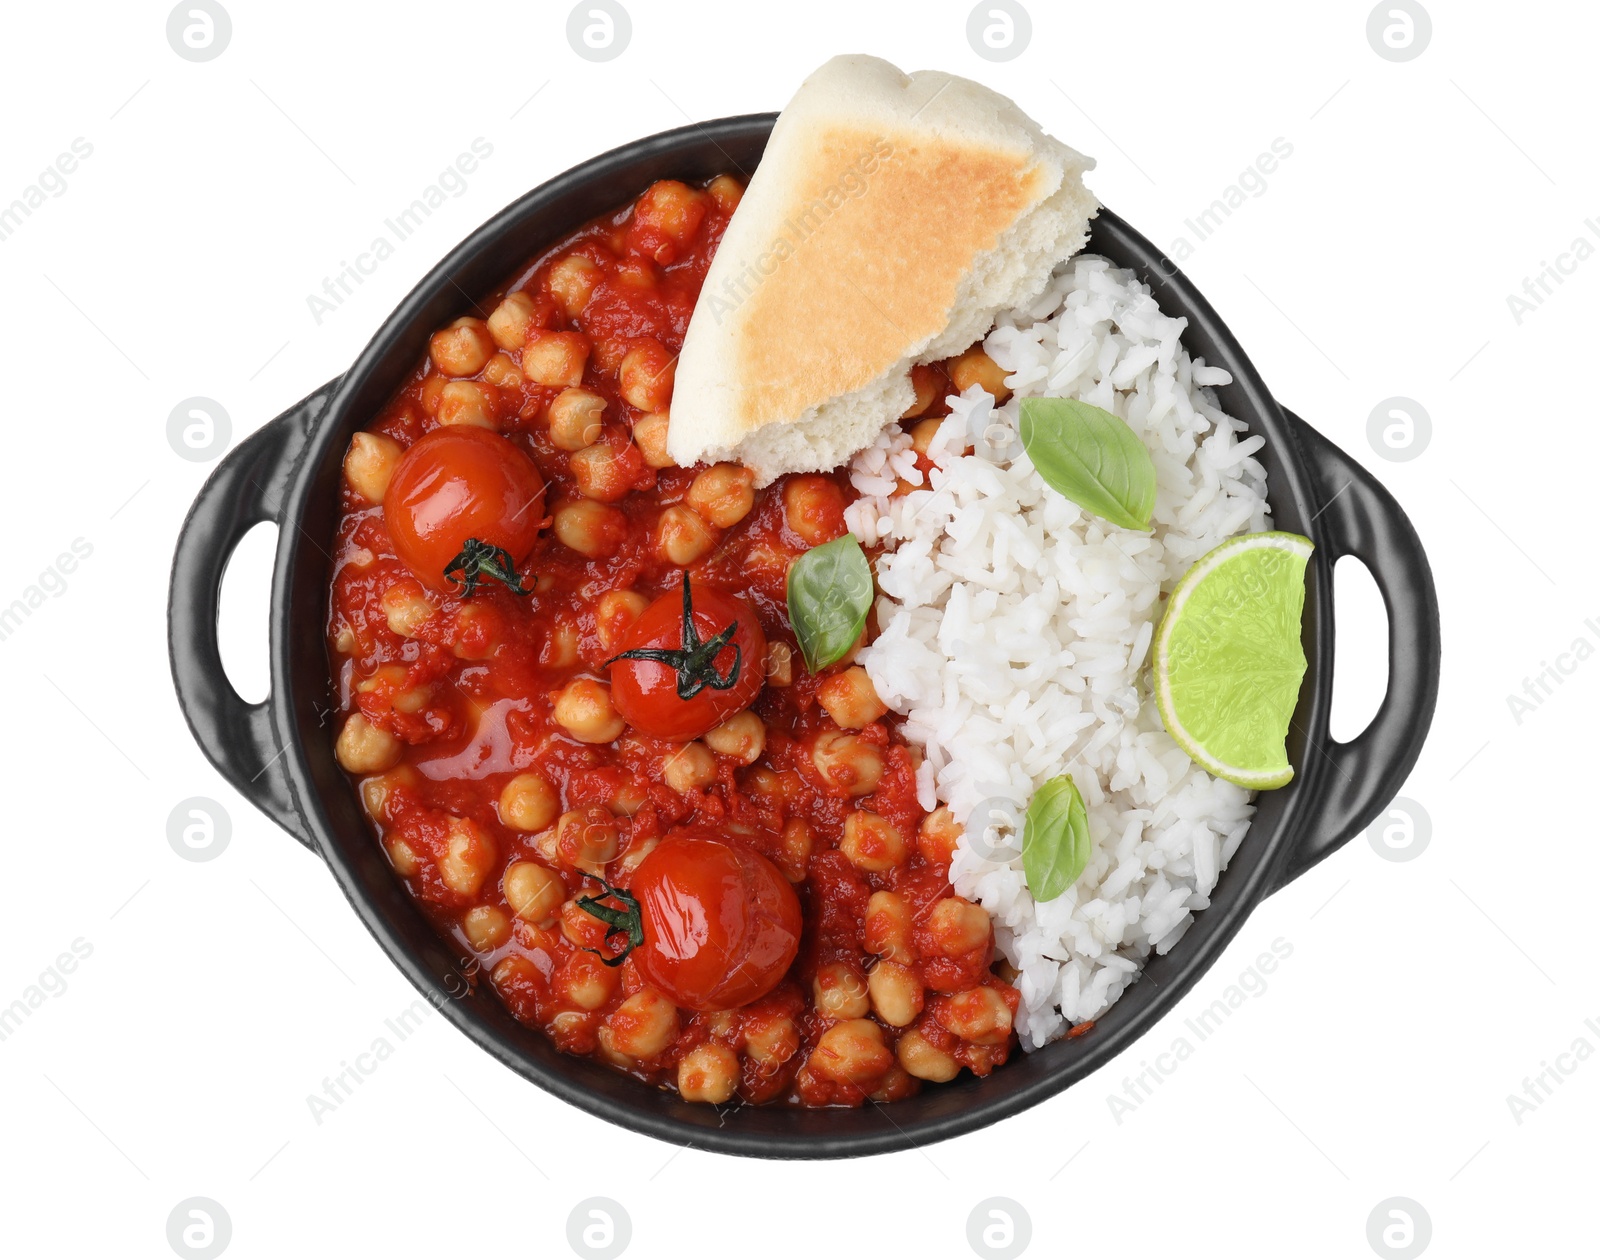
x=1090 y=456
x=1055 y=839
x=830 y=594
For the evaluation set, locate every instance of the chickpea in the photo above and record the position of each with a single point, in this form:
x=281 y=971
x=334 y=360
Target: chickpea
x=925 y=385
x=850 y=698
x=855 y=648
x=923 y=1059
x=573 y=1032
x=406 y=700
x=743 y=736
x=640 y=848
x=486 y=928
x=584 y=709
x=387 y=684
x=626 y=801
x=467 y=402
x=576 y=419
x=519 y=980
x=682 y=537
x=771 y=1039
x=513 y=320
x=603 y=472
x=556 y=359
x=847 y=762
x=637 y=273
x=923 y=433
x=813 y=508
x=887 y=931
x=958 y=927
x=978 y=1015
x=895 y=1085
x=642 y=1027
x=780 y=664
x=406 y=608
x=650 y=436
x=571 y=282
x=872 y=843
x=977 y=368
x=727 y=192
x=560 y=650
x=369 y=463
x=461 y=349
x=389 y=678
x=429 y=395
x=529 y=802
x=609 y=352
x=402 y=857
x=795 y=853
x=840 y=991
x=412 y=699
x=468 y=855
x=516 y=977
x=646 y=375
x=502 y=370
x=588 y=838
x=937 y=836
x=587 y=982
x=606 y=1050
x=896 y=993
x=851 y=1052
x=590 y=528
x=764 y=782
x=673 y=210
x=377 y=791
x=582 y=928
x=363 y=748
x=533 y=892
x=723 y=494
x=615 y=614
x=691 y=768
x=708 y=1073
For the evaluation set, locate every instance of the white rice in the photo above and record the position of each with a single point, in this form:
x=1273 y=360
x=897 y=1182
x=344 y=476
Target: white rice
x=1014 y=632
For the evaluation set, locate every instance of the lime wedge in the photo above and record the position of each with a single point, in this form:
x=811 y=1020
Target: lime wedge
x=1227 y=657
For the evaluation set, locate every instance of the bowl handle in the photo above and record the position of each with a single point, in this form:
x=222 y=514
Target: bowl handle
x=1357 y=517
x=248 y=487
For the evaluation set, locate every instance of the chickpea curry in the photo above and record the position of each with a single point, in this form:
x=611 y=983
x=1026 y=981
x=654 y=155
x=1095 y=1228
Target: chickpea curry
x=570 y=692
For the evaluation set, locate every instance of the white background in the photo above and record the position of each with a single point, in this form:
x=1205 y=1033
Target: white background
x=219 y=994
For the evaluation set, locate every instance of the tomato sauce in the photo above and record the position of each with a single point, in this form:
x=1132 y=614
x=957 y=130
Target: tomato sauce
x=500 y=819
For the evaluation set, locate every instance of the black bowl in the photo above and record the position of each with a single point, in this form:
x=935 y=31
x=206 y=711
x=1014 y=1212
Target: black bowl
x=280 y=753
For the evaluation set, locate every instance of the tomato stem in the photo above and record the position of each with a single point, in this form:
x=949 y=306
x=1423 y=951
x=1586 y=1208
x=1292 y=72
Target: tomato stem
x=628 y=920
x=695 y=661
x=479 y=560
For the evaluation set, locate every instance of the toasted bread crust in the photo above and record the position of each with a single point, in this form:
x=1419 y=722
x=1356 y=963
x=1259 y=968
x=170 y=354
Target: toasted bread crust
x=880 y=273
x=854 y=252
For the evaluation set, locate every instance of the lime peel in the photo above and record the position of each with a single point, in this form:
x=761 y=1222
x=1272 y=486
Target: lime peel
x=1238 y=675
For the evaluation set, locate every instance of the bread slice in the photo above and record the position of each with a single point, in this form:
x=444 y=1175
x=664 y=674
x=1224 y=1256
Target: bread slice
x=891 y=218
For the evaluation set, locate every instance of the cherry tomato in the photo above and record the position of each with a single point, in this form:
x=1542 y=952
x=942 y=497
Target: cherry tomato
x=462 y=484
x=721 y=924
x=674 y=690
